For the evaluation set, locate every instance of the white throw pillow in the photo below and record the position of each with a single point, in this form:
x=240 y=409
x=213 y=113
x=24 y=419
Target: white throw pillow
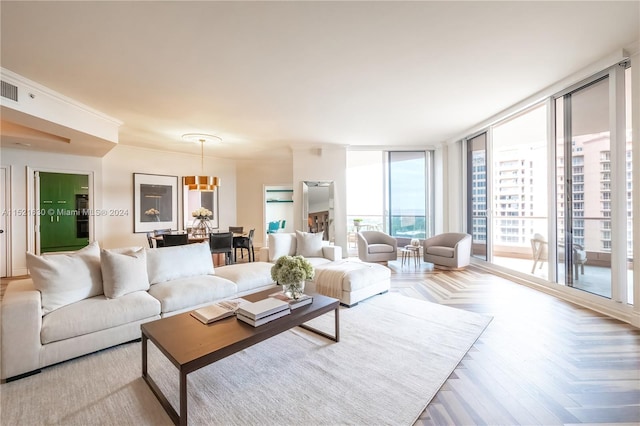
x=66 y=278
x=281 y=245
x=123 y=272
x=309 y=244
x=172 y=263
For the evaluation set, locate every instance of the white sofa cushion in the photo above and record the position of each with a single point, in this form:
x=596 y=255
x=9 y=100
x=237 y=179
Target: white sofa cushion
x=308 y=244
x=66 y=278
x=188 y=292
x=281 y=245
x=247 y=276
x=97 y=313
x=123 y=272
x=171 y=263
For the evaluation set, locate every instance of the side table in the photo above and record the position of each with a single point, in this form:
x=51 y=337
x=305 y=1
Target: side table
x=408 y=252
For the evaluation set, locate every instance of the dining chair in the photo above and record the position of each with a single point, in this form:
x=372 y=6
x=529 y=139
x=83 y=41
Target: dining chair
x=158 y=232
x=175 y=239
x=222 y=242
x=273 y=227
x=150 y=239
x=244 y=243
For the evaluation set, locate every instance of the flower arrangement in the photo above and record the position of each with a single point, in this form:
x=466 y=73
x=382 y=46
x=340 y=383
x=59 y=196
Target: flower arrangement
x=202 y=213
x=152 y=212
x=291 y=272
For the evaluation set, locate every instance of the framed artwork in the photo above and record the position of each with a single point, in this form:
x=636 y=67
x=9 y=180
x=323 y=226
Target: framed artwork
x=194 y=199
x=155 y=202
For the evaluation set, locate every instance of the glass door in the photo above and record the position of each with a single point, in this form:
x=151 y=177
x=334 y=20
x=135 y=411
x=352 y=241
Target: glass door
x=477 y=194
x=584 y=188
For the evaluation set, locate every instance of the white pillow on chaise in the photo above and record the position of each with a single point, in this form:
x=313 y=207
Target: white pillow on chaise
x=309 y=244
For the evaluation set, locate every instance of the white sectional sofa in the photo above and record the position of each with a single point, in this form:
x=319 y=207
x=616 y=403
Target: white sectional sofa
x=81 y=302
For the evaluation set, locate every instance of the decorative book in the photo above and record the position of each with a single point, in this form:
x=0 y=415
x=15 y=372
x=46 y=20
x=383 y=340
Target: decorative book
x=262 y=308
x=211 y=313
x=263 y=320
x=304 y=299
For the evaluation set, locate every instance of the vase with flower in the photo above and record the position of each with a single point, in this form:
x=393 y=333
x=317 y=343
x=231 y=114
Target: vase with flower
x=291 y=272
x=201 y=226
x=154 y=214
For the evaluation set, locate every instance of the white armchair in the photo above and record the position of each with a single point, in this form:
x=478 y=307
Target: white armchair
x=451 y=249
x=376 y=246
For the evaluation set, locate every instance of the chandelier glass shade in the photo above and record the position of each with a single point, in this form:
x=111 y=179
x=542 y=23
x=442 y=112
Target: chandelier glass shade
x=201 y=182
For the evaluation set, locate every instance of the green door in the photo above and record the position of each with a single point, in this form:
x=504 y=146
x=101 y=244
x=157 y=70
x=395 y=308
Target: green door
x=61 y=218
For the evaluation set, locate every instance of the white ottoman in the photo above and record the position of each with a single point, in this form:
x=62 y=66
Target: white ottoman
x=351 y=281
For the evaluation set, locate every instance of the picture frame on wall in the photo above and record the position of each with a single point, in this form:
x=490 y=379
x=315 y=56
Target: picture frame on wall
x=155 y=202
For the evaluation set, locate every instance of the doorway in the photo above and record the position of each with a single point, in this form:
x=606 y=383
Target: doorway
x=5 y=222
x=63 y=222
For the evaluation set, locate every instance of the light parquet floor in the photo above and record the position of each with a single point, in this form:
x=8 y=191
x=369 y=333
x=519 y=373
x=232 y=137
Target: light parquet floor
x=541 y=361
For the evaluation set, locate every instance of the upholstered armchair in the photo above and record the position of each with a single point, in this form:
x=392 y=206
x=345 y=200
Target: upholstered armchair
x=376 y=246
x=451 y=250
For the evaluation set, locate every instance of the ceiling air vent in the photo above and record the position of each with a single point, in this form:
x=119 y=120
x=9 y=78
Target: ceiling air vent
x=9 y=91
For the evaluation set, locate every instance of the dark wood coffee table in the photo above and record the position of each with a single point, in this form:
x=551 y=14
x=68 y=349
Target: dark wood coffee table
x=191 y=345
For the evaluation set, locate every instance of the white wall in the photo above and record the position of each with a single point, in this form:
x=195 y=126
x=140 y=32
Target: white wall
x=325 y=164
x=113 y=189
x=20 y=159
x=117 y=187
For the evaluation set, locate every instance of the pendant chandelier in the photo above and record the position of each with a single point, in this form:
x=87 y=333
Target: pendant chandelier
x=201 y=182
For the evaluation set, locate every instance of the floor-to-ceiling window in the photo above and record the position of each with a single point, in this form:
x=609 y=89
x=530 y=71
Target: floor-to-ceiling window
x=520 y=190
x=557 y=205
x=408 y=194
x=365 y=193
x=629 y=182
x=477 y=194
x=390 y=191
x=584 y=183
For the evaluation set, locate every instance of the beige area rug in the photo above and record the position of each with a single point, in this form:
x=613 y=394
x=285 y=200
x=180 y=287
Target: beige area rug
x=394 y=354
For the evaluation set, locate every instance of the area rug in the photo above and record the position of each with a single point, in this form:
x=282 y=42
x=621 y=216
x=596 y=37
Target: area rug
x=394 y=354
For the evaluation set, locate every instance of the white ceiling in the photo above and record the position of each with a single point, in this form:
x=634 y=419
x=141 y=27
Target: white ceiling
x=267 y=76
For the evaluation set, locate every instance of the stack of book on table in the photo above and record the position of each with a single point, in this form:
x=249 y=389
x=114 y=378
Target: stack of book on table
x=304 y=299
x=262 y=311
x=217 y=311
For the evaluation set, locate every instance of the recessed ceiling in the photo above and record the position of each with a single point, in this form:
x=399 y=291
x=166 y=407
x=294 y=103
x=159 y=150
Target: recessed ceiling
x=265 y=76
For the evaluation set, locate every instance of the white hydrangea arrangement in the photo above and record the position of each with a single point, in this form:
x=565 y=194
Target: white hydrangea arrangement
x=290 y=270
x=202 y=213
x=152 y=212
